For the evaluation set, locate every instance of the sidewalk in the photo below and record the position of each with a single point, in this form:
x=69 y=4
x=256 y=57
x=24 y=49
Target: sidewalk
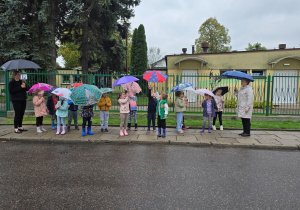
x=289 y=140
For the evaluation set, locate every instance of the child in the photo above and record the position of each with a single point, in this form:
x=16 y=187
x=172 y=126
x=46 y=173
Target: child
x=51 y=103
x=162 y=109
x=133 y=109
x=123 y=100
x=61 y=113
x=209 y=106
x=72 y=114
x=180 y=107
x=40 y=109
x=220 y=105
x=151 y=114
x=87 y=113
x=104 y=105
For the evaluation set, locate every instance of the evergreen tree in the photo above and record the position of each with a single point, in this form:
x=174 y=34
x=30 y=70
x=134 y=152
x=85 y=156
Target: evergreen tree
x=133 y=53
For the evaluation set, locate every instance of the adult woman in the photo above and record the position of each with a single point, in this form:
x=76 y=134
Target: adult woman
x=245 y=105
x=17 y=90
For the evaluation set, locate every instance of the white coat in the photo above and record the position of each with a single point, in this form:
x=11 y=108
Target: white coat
x=244 y=102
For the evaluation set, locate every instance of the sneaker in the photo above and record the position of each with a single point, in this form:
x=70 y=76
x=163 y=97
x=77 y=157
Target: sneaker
x=214 y=127
x=181 y=132
x=102 y=130
x=106 y=130
x=148 y=130
x=68 y=129
x=154 y=129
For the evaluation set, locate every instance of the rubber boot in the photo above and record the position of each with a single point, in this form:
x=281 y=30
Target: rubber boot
x=159 y=132
x=214 y=127
x=221 y=127
x=76 y=128
x=53 y=126
x=89 y=131
x=43 y=129
x=202 y=130
x=209 y=129
x=121 y=133
x=125 y=132
x=164 y=133
x=135 y=125
x=58 y=130
x=128 y=126
x=83 y=132
x=38 y=129
x=63 y=130
x=68 y=128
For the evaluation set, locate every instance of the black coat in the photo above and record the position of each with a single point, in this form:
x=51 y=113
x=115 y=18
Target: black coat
x=17 y=93
x=50 y=105
x=152 y=102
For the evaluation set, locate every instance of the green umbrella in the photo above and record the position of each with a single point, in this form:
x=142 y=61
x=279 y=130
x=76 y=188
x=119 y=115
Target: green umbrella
x=106 y=90
x=86 y=95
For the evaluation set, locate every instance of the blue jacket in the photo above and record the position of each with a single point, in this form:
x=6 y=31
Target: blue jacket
x=72 y=106
x=213 y=108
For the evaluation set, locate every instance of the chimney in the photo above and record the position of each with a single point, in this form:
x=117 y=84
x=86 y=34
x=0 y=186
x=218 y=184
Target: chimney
x=256 y=47
x=282 y=46
x=184 y=50
x=193 y=49
x=205 y=46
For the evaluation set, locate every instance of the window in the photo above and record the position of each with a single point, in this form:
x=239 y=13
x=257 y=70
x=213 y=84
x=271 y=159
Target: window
x=2 y=77
x=243 y=70
x=224 y=70
x=66 y=79
x=258 y=72
x=77 y=78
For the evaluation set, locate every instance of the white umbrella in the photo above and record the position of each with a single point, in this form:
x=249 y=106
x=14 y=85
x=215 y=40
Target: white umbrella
x=204 y=91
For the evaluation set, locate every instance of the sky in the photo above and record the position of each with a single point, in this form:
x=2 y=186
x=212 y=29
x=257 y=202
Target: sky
x=173 y=24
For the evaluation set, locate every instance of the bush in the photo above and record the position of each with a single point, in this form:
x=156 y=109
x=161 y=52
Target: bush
x=230 y=103
x=233 y=103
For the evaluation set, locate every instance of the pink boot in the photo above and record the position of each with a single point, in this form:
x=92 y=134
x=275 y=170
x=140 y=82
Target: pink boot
x=58 y=130
x=63 y=130
x=121 y=133
x=125 y=132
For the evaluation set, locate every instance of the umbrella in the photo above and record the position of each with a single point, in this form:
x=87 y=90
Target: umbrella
x=204 y=91
x=19 y=64
x=237 y=75
x=86 y=95
x=154 y=76
x=132 y=87
x=223 y=88
x=124 y=80
x=106 y=90
x=181 y=86
x=75 y=85
x=41 y=86
x=62 y=92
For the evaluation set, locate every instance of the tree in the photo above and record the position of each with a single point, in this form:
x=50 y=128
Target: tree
x=139 y=58
x=253 y=47
x=71 y=54
x=154 y=54
x=215 y=34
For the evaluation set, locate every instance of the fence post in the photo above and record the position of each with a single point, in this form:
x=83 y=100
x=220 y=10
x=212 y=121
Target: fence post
x=7 y=97
x=268 y=95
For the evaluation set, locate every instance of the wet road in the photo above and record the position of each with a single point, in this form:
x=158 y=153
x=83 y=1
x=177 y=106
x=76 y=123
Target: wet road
x=87 y=176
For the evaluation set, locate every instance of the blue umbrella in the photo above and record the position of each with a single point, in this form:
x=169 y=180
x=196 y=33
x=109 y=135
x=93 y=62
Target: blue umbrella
x=124 y=80
x=19 y=64
x=238 y=75
x=181 y=86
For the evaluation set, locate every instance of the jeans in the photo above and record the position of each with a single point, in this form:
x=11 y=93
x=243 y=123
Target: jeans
x=61 y=120
x=19 y=107
x=72 y=115
x=179 y=121
x=104 y=116
x=86 y=119
x=53 y=117
x=205 y=119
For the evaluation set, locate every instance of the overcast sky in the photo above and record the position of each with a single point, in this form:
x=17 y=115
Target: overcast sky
x=173 y=24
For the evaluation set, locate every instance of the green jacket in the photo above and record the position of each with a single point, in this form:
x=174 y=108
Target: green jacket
x=180 y=105
x=162 y=109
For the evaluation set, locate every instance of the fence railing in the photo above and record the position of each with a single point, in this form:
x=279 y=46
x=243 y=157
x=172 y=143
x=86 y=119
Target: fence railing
x=273 y=95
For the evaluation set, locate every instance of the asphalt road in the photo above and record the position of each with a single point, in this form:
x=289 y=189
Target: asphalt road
x=87 y=176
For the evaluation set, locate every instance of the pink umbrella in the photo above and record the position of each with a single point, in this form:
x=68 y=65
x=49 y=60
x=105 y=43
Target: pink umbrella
x=41 y=86
x=132 y=87
x=204 y=91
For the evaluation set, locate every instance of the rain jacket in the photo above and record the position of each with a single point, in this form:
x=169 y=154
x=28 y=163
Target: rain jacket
x=63 y=110
x=16 y=92
x=244 y=101
x=180 y=105
x=213 y=108
x=124 y=105
x=39 y=105
x=101 y=104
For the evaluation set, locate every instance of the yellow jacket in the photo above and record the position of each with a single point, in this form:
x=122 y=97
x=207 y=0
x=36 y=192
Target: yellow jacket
x=101 y=104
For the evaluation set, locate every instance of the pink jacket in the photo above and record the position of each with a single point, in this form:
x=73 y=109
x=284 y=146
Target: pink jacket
x=124 y=105
x=39 y=105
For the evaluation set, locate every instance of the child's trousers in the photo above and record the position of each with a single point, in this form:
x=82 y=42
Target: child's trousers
x=151 y=117
x=124 y=119
x=72 y=115
x=61 y=120
x=209 y=120
x=161 y=123
x=104 y=116
x=132 y=115
x=218 y=114
x=88 y=120
x=39 y=121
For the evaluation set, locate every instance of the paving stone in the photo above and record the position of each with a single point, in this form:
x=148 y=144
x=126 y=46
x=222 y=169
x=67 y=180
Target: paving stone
x=226 y=140
x=129 y=137
x=270 y=141
x=109 y=137
x=228 y=135
x=260 y=133
x=289 y=142
x=186 y=138
x=287 y=137
x=246 y=140
x=147 y=137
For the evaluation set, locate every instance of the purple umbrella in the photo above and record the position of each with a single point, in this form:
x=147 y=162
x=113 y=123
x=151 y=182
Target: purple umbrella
x=204 y=91
x=124 y=80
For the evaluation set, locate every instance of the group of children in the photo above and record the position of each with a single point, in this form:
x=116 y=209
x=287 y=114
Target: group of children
x=60 y=108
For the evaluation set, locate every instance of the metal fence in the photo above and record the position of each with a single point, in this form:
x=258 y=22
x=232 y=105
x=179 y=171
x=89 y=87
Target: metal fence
x=273 y=95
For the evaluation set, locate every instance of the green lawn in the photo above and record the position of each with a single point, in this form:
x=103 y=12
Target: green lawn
x=193 y=123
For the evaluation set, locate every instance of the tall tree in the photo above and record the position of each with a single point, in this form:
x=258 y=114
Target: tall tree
x=70 y=53
x=154 y=54
x=139 y=58
x=215 y=34
x=254 y=46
